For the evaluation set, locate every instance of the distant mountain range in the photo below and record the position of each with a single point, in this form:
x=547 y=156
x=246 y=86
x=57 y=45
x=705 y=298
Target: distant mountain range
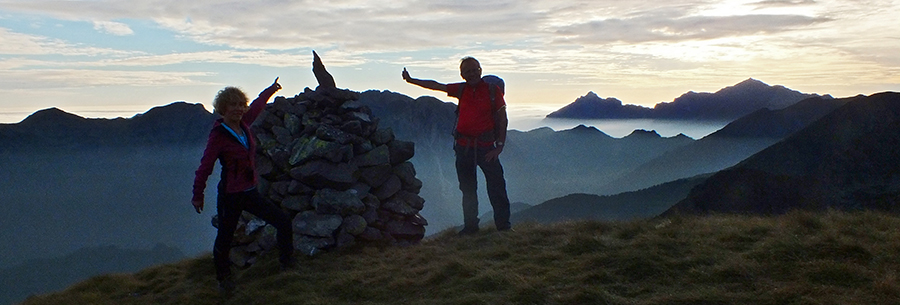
x=724 y=105
x=51 y=129
x=846 y=160
x=725 y=147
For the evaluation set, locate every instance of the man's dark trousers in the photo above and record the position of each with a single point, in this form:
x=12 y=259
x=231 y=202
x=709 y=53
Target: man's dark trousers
x=230 y=206
x=467 y=159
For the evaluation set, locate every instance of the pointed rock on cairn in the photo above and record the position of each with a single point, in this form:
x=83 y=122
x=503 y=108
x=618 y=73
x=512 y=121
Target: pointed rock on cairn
x=322 y=158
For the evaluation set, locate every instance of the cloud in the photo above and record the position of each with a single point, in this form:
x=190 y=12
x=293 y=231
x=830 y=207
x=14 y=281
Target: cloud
x=13 y=43
x=114 y=28
x=653 y=28
x=79 y=78
x=782 y=3
x=243 y=57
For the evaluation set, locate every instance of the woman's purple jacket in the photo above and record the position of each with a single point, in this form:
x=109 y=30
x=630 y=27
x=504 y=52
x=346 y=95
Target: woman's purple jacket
x=238 y=162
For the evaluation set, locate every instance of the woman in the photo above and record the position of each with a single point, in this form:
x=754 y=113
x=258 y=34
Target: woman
x=231 y=142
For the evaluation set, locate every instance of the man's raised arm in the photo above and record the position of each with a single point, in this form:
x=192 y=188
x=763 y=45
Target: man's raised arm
x=424 y=83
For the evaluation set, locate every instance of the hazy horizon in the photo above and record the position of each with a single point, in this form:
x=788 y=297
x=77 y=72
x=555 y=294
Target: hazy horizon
x=521 y=117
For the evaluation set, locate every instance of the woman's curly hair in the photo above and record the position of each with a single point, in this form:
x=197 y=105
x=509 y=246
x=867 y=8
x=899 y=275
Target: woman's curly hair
x=229 y=96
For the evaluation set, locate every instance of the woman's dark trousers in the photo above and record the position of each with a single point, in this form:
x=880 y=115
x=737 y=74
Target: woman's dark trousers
x=229 y=207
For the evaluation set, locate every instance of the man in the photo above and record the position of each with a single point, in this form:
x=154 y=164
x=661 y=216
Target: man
x=480 y=136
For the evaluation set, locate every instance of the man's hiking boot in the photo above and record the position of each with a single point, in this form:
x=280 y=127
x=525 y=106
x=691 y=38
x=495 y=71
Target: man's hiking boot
x=289 y=264
x=468 y=231
x=226 y=286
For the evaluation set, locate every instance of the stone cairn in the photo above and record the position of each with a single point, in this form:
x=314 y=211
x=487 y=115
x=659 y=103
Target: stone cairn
x=322 y=158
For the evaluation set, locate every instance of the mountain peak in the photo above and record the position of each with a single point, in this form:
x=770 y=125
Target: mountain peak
x=53 y=114
x=591 y=106
x=643 y=133
x=751 y=82
x=173 y=110
x=584 y=128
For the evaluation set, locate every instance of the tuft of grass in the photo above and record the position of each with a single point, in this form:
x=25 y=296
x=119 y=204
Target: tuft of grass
x=798 y=258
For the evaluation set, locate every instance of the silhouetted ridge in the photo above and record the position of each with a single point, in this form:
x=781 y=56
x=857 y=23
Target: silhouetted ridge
x=726 y=147
x=780 y=123
x=726 y=104
x=845 y=160
x=591 y=106
x=51 y=118
x=582 y=129
x=53 y=128
x=641 y=133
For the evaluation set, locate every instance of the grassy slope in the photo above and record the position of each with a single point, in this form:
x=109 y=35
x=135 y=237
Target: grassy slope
x=798 y=258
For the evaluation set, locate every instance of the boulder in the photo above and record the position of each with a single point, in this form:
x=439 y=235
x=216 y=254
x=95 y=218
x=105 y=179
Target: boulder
x=354 y=224
x=401 y=151
x=344 y=203
x=309 y=223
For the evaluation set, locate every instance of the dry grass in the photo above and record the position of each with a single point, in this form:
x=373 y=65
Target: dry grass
x=798 y=258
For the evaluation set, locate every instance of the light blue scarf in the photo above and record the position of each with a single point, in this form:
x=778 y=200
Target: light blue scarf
x=242 y=139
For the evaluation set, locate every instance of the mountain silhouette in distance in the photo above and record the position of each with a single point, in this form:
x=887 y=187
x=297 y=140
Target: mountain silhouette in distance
x=543 y=164
x=645 y=203
x=724 y=105
x=54 y=129
x=726 y=147
x=846 y=160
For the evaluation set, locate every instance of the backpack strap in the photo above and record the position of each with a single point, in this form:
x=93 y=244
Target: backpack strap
x=489 y=135
x=493 y=91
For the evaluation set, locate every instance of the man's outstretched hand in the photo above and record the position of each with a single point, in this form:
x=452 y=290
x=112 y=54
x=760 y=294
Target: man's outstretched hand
x=405 y=74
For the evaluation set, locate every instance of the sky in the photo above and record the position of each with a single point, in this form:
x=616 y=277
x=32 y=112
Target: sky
x=111 y=58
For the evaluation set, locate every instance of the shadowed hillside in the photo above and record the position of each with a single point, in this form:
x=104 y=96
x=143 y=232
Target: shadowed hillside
x=798 y=258
x=846 y=160
x=37 y=276
x=542 y=164
x=726 y=147
x=645 y=203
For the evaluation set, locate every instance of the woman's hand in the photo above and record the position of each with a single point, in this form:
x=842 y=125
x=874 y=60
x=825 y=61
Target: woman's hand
x=198 y=205
x=276 y=85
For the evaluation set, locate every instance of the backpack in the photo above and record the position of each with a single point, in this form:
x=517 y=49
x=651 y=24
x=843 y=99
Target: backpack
x=494 y=83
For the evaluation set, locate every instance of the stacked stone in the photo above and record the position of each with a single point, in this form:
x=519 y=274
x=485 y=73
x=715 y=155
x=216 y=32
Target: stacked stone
x=344 y=181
